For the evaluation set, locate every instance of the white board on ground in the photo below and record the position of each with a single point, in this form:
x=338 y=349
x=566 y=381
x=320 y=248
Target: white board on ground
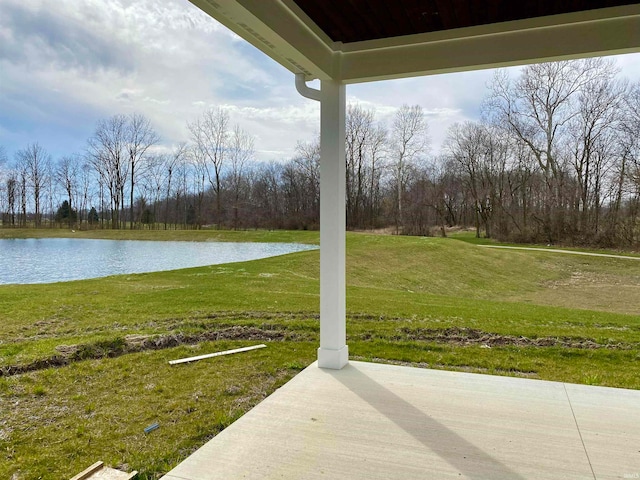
x=216 y=354
x=100 y=471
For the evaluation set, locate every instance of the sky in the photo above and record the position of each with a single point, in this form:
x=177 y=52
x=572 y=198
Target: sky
x=66 y=64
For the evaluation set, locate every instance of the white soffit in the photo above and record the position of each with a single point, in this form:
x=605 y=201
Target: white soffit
x=284 y=32
x=275 y=29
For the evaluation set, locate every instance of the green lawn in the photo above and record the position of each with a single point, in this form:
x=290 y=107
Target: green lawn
x=85 y=363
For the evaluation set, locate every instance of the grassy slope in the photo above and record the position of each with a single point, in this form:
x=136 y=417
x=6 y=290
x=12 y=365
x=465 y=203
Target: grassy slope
x=400 y=291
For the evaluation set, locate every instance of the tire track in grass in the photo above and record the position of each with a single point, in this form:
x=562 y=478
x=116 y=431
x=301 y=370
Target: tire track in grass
x=68 y=354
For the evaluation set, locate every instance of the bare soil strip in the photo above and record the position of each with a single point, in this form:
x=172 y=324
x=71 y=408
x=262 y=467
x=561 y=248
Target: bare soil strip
x=471 y=336
x=137 y=343
x=275 y=332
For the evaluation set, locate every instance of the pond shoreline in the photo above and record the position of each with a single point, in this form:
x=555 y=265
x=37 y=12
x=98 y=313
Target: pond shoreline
x=50 y=260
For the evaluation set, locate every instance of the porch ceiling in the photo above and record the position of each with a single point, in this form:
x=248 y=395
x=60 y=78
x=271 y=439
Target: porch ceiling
x=360 y=20
x=362 y=40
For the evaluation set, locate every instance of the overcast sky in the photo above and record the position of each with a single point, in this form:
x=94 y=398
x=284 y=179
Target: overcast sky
x=65 y=64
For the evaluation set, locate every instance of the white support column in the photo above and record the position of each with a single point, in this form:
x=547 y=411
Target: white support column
x=333 y=352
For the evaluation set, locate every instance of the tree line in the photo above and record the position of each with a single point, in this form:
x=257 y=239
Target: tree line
x=554 y=158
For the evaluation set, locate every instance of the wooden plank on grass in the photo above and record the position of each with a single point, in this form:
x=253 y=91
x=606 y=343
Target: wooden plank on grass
x=89 y=471
x=216 y=354
x=99 y=471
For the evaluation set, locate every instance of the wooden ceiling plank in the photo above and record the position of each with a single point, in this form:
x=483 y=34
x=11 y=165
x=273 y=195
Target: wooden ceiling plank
x=448 y=11
x=360 y=20
x=412 y=14
x=370 y=22
x=389 y=11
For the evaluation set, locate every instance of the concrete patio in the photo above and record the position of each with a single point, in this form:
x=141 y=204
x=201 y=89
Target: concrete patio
x=372 y=421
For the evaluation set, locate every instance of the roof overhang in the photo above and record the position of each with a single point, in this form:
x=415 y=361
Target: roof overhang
x=282 y=30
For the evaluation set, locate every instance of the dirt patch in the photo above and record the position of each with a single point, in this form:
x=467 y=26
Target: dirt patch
x=136 y=343
x=203 y=320
x=261 y=315
x=471 y=336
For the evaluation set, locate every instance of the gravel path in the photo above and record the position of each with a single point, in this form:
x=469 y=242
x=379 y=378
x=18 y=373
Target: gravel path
x=557 y=250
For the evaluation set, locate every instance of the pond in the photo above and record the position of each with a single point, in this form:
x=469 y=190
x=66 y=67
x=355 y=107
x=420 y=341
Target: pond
x=50 y=260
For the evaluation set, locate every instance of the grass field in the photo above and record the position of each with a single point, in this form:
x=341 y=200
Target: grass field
x=85 y=364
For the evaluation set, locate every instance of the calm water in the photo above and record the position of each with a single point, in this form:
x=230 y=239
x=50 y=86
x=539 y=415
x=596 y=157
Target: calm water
x=61 y=259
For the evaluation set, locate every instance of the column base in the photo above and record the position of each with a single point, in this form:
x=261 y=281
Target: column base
x=333 y=359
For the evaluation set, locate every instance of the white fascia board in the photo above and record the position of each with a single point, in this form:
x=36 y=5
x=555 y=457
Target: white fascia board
x=559 y=37
x=272 y=27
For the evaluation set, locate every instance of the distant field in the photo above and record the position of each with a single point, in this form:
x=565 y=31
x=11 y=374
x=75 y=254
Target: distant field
x=174 y=235
x=84 y=364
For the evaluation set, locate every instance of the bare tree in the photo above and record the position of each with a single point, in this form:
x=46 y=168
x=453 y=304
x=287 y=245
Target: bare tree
x=66 y=175
x=210 y=135
x=11 y=192
x=181 y=172
x=241 y=151
x=173 y=164
x=303 y=180
x=539 y=108
x=631 y=127
x=199 y=170
x=107 y=152
x=377 y=155
x=465 y=145
x=50 y=194
x=446 y=192
x=365 y=149
x=359 y=136
x=85 y=193
x=268 y=195
x=157 y=182
x=21 y=184
x=140 y=136
x=153 y=182
x=627 y=189
x=5 y=175
x=598 y=106
x=408 y=141
x=36 y=163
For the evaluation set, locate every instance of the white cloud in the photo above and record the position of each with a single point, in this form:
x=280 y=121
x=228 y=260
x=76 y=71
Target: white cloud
x=629 y=65
x=166 y=59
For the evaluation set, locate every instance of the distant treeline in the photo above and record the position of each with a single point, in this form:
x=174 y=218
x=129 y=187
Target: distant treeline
x=555 y=158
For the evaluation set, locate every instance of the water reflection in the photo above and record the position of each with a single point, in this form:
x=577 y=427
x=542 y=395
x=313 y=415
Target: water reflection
x=49 y=260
